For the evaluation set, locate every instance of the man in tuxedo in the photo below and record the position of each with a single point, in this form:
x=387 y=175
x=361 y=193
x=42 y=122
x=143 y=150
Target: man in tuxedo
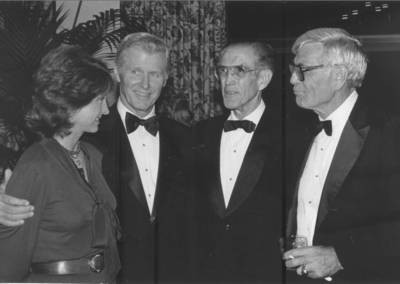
x=346 y=197
x=239 y=174
x=146 y=163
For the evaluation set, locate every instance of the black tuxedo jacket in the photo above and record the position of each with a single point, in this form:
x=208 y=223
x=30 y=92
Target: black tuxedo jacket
x=153 y=245
x=240 y=243
x=360 y=204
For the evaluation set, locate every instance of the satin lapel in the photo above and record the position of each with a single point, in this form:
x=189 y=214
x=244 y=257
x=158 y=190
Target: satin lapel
x=129 y=171
x=347 y=152
x=252 y=165
x=164 y=158
x=213 y=145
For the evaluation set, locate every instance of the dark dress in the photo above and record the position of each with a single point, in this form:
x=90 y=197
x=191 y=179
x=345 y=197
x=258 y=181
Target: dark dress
x=66 y=223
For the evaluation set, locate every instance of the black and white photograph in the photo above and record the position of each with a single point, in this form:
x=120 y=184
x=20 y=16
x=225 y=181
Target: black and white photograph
x=199 y=142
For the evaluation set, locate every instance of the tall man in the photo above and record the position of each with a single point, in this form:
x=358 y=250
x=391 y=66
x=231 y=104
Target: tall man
x=239 y=167
x=145 y=165
x=346 y=201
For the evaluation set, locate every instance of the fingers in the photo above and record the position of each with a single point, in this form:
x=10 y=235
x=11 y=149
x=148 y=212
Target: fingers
x=298 y=252
x=316 y=262
x=13 y=210
x=7 y=175
x=13 y=201
x=14 y=220
x=301 y=270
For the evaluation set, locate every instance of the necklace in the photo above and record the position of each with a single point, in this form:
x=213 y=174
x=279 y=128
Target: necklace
x=75 y=153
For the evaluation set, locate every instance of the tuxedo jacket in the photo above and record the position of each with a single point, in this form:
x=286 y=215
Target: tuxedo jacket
x=153 y=245
x=240 y=243
x=360 y=203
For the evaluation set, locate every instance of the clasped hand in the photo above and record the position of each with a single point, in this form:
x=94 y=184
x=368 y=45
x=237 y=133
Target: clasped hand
x=317 y=261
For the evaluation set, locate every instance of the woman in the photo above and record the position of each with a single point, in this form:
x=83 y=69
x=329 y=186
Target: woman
x=72 y=235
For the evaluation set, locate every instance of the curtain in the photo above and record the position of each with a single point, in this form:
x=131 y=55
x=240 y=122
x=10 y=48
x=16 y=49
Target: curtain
x=195 y=33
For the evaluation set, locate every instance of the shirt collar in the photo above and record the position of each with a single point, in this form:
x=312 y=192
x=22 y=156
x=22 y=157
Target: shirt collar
x=254 y=116
x=340 y=116
x=122 y=110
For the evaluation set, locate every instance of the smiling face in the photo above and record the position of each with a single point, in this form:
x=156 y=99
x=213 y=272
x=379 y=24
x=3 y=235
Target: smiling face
x=87 y=118
x=242 y=94
x=317 y=90
x=142 y=76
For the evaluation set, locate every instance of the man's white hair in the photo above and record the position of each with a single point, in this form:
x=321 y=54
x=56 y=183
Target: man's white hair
x=340 y=48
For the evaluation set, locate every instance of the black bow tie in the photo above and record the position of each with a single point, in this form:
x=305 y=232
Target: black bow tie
x=246 y=125
x=326 y=125
x=132 y=123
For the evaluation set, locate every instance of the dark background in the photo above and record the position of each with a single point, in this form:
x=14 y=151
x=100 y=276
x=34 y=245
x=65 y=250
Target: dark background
x=376 y=23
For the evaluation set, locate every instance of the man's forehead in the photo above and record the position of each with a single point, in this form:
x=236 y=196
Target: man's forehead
x=237 y=55
x=136 y=55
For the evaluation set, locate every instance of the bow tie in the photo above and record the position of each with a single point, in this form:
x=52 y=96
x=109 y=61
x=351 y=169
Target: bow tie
x=132 y=123
x=246 y=125
x=326 y=125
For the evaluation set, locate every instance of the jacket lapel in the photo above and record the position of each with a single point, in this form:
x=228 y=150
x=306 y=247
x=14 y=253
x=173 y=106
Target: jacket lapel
x=121 y=151
x=252 y=165
x=165 y=157
x=215 y=190
x=347 y=152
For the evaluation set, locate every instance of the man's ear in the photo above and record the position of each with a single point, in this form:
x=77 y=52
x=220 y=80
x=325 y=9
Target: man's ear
x=340 y=76
x=165 y=79
x=116 y=74
x=264 y=77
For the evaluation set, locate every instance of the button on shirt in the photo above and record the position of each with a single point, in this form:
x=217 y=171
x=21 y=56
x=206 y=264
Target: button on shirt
x=234 y=145
x=316 y=169
x=146 y=150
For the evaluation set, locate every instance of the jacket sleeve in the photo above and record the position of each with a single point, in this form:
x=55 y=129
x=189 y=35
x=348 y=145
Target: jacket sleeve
x=17 y=244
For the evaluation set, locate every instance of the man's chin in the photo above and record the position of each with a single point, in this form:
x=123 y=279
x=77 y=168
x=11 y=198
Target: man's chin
x=230 y=104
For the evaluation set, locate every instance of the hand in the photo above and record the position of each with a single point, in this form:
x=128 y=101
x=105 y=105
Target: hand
x=318 y=261
x=7 y=175
x=13 y=210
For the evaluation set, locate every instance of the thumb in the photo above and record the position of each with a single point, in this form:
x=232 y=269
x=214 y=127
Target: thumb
x=7 y=175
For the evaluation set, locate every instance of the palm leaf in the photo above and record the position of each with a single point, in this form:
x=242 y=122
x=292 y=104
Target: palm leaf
x=28 y=32
x=98 y=35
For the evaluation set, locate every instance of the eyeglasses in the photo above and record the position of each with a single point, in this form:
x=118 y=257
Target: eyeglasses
x=299 y=70
x=237 y=71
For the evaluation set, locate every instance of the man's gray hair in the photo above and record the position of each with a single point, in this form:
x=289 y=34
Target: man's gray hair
x=340 y=48
x=263 y=52
x=147 y=42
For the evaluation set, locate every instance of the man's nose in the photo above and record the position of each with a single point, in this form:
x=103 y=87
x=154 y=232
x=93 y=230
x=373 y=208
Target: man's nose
x=104 y=108
x=230 y=78
x=294 y=78
x=145 y=81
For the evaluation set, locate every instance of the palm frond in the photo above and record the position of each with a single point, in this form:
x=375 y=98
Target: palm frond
x=93 y=34
x=28 y=32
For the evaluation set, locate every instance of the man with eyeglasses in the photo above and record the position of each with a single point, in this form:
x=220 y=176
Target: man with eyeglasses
x=346 y=201
x=239 y=167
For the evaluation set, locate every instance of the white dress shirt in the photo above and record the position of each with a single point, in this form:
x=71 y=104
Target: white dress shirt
x=233 y=148
x=146 y=150
x=317 y=167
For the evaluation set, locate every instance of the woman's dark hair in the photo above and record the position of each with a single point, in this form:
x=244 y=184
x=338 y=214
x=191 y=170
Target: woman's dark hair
x=68 y=79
